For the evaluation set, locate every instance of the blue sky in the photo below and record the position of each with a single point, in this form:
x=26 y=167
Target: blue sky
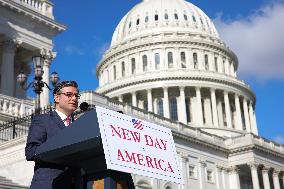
x=253 y=29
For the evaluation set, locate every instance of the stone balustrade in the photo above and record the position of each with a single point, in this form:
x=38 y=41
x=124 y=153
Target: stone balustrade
x=43 y=7
x=15 y=107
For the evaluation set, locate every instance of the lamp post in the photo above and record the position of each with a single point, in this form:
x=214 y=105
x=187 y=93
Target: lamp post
x=37 y=83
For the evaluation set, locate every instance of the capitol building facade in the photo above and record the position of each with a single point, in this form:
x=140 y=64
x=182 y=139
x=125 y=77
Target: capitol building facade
x=167 y=65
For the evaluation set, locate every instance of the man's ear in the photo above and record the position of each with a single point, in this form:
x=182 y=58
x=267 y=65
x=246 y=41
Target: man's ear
x=56 y=98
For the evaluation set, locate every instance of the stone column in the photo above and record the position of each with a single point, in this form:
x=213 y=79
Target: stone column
x=134 y=99
x=44 y=96
x=227 y=110
x=234 y=178
x=265 y=178
x=184 y=160
x=183 y=117
x=214 y=107
x=166 y=103
x=7 y=67
x=220 y=113
x=276 y=179
x=251 y=118
x=150 y=100
x=219 y=179
x=201 y=171
x=254 y=175
x=245 y=107
x=199 y=107
x=239 y=125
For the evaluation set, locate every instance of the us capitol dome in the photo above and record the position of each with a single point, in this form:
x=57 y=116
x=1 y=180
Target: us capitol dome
x=166 y=57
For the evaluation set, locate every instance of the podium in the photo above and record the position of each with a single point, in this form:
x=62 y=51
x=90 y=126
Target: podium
x=79 y=145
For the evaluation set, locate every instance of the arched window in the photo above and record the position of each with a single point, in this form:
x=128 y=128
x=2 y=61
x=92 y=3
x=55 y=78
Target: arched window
x=157 y=61
x=129 y=25
x=168 y=187
x=160 y=108
x=122 y=69
x=133 y=66
x=156 y=17
x=206 y=62
x=144 y=60
x=183 y=60
x=216 y=63
x=166 y=16
x=201 y=21
x=173 y=109
x=187 y=108
x=114 y=72
x=137 y=21
x=193 y=18
x=185 y=17
x=146 y=19
x=223 y=67
x=170 y=60
x=195 y=62
x=176 y=16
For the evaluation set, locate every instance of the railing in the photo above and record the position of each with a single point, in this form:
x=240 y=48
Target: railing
x=15 y=107
x=42 y=6
x=17 y=127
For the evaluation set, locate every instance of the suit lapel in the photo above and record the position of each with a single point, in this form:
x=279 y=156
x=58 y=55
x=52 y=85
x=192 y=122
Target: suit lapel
x=56 y=118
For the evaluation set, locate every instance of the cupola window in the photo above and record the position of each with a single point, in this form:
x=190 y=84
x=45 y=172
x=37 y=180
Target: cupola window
x=156 y=17
x=166 y=16
x=170 y=60
x=122 y=69
x=133 y=66
x=206 y=62
x=193 y=18
x=185 y=17
x=146 y=19
x=137 y=21
x=176 y=16
x=201 y=21
x=157 y=61
x=114 y=72
x=173 y=109
x=183 y=60
x=129 y=25
x=216 y=63
x=195 y=62
x=144 y=60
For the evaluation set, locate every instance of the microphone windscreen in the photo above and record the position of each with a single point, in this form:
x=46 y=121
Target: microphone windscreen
x=84 y=106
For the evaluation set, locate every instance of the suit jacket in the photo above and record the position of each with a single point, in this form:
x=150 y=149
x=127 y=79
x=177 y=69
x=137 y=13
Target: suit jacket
x=46 y=175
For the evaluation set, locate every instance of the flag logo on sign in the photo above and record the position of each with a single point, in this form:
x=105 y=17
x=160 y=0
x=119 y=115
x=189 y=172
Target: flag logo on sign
x=137 y=124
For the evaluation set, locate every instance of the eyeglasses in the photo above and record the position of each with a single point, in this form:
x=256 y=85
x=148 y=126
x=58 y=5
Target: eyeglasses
x=70 y=95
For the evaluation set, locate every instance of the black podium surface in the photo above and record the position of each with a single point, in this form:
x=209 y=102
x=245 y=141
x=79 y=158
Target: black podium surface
x=78 y=145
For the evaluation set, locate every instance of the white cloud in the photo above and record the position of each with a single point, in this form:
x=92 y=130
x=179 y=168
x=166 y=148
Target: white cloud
x=279 y=139
x=73 y=50
x=258 y=41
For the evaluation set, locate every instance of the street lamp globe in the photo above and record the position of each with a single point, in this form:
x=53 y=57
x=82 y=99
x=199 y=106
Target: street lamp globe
x=22 y=78
x=54 y=78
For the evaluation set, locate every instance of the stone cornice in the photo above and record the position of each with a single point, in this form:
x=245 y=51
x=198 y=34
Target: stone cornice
x=130 y=46
x=228 y=82
x=33 y=15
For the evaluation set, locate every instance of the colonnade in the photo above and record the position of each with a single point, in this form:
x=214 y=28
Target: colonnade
x=158 y=59
x=8 y=57
x=199 y=106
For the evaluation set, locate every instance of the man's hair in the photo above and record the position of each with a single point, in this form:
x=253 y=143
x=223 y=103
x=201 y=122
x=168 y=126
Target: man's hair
x=62 y=84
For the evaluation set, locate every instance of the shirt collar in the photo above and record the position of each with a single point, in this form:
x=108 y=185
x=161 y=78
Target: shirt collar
x=61 y=115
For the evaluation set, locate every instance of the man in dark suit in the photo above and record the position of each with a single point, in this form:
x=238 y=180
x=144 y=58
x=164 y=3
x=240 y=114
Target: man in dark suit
x=45 y=126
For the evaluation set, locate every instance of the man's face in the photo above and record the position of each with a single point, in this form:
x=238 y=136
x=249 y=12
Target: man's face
x=66 y=100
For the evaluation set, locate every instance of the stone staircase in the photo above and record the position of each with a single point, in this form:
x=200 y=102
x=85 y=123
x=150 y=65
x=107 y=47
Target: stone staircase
x=8 y=184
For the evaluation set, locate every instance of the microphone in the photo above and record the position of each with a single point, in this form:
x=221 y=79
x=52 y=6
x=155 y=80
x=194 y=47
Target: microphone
x=84 y=106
